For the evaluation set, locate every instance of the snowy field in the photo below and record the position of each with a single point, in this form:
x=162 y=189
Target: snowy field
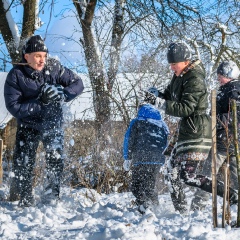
x=84 y=214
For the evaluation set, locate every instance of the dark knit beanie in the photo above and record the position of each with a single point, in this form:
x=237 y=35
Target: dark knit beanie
x=178 y=52
x=228 y=69
x=34 y=44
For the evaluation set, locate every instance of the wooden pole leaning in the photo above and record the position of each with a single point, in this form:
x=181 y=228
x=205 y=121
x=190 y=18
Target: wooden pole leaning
x=1 y=168
x=237 y=154
x=226 y=213
x=214 y=153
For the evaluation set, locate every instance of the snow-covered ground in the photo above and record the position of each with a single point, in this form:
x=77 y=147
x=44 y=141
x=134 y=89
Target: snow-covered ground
x=84 y=214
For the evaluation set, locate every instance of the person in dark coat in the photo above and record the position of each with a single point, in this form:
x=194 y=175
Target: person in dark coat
x=186 y=97
x=144 y=142
x=228 y=78
x=34 y=91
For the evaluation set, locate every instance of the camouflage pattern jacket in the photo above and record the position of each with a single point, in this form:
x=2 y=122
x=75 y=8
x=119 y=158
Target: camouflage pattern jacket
x=186 y=97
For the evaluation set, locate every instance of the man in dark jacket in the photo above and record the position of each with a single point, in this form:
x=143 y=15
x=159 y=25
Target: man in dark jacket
x=34 y=92
x=144 y=142
x=228 y=77
x=186 y=97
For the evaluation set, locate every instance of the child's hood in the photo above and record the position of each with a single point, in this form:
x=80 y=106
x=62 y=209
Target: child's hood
x=149 y=111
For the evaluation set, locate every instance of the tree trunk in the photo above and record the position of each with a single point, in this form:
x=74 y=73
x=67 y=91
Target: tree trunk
x=98 y=79
x=117 y=33
x=7 y=33
x=29 y=18
x=28 y=27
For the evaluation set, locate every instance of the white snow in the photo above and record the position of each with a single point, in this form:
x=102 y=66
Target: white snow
x=85 y=214
x=5 y=116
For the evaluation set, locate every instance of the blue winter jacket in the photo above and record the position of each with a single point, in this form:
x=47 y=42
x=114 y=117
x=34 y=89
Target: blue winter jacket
x=146 y=137
x=23 y=86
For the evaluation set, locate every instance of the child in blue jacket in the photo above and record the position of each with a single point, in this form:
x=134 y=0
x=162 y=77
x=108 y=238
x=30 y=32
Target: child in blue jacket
x=144 y=142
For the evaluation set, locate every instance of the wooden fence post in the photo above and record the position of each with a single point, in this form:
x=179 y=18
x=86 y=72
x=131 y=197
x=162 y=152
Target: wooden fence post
x=214 y=153
x=237 y=153
x=1 y=168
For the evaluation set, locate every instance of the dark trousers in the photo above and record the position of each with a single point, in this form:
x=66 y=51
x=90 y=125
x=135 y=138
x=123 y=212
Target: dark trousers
x=201 y=197
x=143 y=183
x=27 y=141
x=187 y=172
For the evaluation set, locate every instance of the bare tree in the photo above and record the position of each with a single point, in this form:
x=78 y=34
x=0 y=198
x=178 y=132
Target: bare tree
x=148 y=25
x=28 y=26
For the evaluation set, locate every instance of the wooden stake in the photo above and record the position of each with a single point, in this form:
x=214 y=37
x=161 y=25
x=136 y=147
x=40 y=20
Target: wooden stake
x=214 y=153
x=236 y=148
x=1 y=168
x=225 y=194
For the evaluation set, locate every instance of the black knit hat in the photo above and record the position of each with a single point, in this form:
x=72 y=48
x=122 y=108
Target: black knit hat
x=178 y=52
x=228 y=69
x=34 y=44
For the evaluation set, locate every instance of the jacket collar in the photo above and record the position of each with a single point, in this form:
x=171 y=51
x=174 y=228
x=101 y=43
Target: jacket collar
x=190 y=66
x=34 y=74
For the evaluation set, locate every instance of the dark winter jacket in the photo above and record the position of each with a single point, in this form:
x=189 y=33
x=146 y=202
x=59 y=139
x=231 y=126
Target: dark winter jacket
x=146 y=137
x=186 y=97
x=23 y=86
x=228 y=91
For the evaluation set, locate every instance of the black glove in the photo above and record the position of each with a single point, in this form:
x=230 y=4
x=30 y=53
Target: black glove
x=150 y=98
x=61 y=95
x=49 y=94
x=147 y=97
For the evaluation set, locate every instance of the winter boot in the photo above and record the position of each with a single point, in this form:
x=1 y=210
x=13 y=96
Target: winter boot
x=179 y=202
x=141 y=205
x=27 y=201
x=178 y=196
x=14 y=191
x=50 y=195
x=233 y=195
x=198 y=206
x=200 y=200
x=142 y=208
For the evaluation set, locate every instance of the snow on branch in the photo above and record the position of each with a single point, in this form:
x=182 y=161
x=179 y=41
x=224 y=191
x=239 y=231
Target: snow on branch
x=12 y=25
